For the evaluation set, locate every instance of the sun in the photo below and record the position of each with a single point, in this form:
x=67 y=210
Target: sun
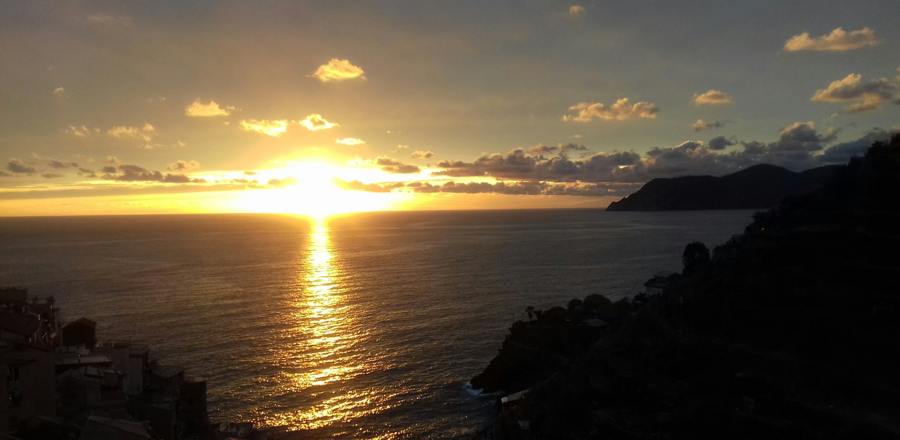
x=309 y=188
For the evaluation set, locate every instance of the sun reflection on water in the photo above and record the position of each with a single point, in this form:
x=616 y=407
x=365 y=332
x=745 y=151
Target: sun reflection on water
x=321 y=356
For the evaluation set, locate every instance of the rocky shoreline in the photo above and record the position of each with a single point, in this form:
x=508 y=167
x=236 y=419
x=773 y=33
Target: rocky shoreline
x=786 y=331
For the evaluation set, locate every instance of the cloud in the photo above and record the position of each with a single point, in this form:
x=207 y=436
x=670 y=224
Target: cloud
x=422 y=154
x=134 y=173
x=506 y=187
x=838 y=40
x=145 y=132
x=843 y=152
x=108 y=20
x=200 y=109
x=393 y=166
x=60 y=91
x=273 y=127
x=37 y=165
x=355 y=185
x=521 y=164
x=516 y=163
x=858 y=94
x=79 y=131
x=720 y=143
x=799 y=145
x=315 y=122
x=56 y=164
x=701 y=125
x=17 y=166
x=801 y=136
x=350 y=141
x=541 y=150
x=711 y=97
x=287 y=181
x=620 y=110
x=576 y=11
x=337 y=70
x=183 y=165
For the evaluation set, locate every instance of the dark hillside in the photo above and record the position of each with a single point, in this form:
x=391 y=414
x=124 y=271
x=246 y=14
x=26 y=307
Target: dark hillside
x=760 y=186
x=788 y=331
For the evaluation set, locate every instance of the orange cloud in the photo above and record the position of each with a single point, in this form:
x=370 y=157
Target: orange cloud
x=711 y=97
x=336 y=70
x=273 y=128
x=200 y=109
x=315 y=122
x=838 y=40
x=620 y=110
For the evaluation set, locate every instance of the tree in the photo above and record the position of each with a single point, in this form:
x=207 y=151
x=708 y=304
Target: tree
x=695 y=255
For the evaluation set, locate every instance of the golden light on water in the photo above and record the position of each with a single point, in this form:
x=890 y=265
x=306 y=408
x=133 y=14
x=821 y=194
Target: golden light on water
x=320 y=353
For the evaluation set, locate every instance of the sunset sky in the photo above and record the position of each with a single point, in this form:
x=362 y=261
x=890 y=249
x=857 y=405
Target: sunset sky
x=330 y=106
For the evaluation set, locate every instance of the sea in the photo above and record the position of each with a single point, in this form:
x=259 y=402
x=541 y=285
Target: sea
x=359 y=326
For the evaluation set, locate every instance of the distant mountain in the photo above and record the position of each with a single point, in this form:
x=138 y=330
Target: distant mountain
x=760 y=186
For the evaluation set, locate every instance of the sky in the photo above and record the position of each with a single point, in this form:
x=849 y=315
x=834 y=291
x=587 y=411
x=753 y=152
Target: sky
x=332 y=106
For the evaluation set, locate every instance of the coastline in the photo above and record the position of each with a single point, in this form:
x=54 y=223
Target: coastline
x=752 y=340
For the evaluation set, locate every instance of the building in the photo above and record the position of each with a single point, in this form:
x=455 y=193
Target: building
x=29 y=388
x=133 y=360
x=60 y=380
x=27 y=332
x=81 y=332
x=103 y=428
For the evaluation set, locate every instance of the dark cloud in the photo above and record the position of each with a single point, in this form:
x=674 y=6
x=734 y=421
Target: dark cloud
x=134 y=173
x=515 y=164
x=798 y=146
x=802 y=136
x=518 y=164
x=17 y=166
x=394 y=166
x=542 y=150
x=843 y=152
x=720 y=143
x=355 y=185
x=45 y=167
x=689 y=157
x=183 y=165
x=61 y=165
x=507 y=188
x=701 y=125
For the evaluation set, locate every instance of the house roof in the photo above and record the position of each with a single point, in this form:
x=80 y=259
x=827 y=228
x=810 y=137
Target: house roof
x=75 y=359
x=167 y=371
x=82 y=322
x=101 y=428
x=18 y=323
